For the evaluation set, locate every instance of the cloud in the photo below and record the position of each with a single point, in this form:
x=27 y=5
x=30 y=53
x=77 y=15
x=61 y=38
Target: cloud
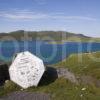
x=30 y=15
x=74 y=18
x=22 y=15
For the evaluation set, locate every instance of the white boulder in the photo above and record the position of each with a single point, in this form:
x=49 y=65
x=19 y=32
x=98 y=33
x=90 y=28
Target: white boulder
x=26 y=70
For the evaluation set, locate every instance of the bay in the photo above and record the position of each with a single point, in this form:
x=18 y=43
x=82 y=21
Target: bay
x=50 y=53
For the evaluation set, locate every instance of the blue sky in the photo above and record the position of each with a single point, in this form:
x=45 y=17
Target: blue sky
x=79 y=16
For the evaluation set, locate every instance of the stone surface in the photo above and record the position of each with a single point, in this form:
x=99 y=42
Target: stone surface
x=26 y=96
x=64 y=72
x=26 y=70
x=86 y=79
x=4 y=73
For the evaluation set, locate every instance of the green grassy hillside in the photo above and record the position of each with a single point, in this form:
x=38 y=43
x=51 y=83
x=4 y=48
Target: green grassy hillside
x=83 y=64
x=57 y=36
x=62 y=89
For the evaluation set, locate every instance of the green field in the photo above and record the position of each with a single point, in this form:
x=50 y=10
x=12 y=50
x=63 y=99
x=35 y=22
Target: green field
x=83 y=64
x=63 y=89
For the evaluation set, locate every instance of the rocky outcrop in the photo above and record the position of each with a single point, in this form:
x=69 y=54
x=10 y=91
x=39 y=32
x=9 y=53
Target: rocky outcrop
x=64 y=72
x=26 y=96
x=52 y=74
x=89 y=80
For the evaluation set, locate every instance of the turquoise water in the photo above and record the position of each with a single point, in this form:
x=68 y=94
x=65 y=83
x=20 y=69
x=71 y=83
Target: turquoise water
x=50 y=53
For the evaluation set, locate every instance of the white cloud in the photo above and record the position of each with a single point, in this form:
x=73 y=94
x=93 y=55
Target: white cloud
x=74 y=18
x=30 y=15
x=22 y=14
x=25 y=16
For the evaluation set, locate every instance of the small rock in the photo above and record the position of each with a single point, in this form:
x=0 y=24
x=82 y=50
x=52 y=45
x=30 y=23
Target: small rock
x=81 y=95
x=21 y=89
x=83 y=89
x=6 y=81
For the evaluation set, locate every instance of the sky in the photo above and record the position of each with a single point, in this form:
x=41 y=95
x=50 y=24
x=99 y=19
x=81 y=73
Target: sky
x=78 y=16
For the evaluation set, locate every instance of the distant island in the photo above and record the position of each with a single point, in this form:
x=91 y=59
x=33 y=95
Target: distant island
x=49 y=36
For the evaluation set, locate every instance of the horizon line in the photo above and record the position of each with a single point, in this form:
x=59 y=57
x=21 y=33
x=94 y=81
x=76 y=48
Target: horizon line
x=48 y=31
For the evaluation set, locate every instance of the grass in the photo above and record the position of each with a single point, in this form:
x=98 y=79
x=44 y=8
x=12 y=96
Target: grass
x=8 y=88
x=62 y=89
x=83 y=64
x=82 y=39
x=75 y=39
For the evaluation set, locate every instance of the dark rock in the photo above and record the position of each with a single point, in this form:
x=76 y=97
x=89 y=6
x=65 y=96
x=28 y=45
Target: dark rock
x=49 y=76
x=4 y=73
x=53 y=73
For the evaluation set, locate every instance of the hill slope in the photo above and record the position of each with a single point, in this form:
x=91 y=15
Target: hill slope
x=61 y=88
x=53 y=35
x=83 y=64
